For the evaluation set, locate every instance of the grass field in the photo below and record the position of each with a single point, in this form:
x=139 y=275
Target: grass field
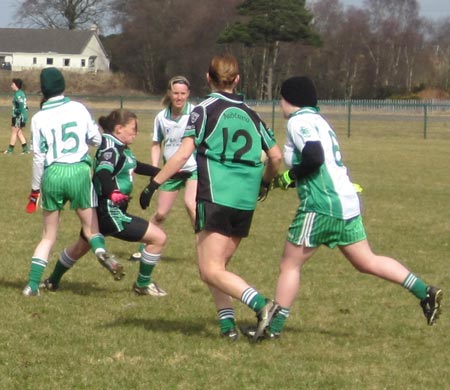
x=346 y=330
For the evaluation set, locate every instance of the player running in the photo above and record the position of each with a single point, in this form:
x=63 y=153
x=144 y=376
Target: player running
x=329 y=212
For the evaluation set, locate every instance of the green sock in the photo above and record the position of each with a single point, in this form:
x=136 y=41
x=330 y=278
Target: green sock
x=36 y=271
x=97 y=242
x=11 y=148
x=146 y=266
x=277 y=323
x=253 y=299
x=64 y=263
x=416 y=286
x=226 y=319
x=141 y=247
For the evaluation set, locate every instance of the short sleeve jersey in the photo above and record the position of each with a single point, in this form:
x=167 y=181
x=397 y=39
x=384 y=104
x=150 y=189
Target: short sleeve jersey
x=328 y=191
x=114 y=156
x=229 y=138
x=19 y=105
x=170 y=132
x=61 y=131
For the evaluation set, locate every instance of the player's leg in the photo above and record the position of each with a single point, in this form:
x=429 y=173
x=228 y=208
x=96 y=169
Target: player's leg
x=364 y=260
x=190 y=194
x=41 y=254
x=288 y=284
x=165 y=202
x=154 y=240
x=66 y=260
x=12 y=137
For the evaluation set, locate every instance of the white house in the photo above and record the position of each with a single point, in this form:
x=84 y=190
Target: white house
x=77 y=50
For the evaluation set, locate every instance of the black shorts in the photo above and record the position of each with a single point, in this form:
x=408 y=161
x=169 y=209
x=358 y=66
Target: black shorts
x=227 y=221
x=17 y=121
x=116 y=222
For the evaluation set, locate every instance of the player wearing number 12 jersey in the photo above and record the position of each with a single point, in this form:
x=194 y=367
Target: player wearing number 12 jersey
x=228 y=138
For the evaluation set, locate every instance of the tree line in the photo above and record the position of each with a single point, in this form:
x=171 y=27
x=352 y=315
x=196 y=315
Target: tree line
x=383 y=49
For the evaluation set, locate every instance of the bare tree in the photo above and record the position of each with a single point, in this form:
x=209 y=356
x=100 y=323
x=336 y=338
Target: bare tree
x=62 y=14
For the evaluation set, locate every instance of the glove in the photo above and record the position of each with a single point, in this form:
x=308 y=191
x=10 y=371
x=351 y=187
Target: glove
x=263 y=191
x=147 y=193
x=118 y=198
x=357 y=187
x=283 y=180
x=33 y=201
x=182 y=175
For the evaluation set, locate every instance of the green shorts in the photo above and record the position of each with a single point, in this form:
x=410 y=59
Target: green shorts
x=312 y=230
x=67 y=182
x=171 y=185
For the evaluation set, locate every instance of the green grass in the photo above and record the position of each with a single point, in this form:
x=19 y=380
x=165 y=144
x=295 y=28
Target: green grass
x=346 y=330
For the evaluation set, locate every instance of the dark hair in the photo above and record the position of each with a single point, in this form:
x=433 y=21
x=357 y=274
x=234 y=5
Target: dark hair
x=18 y=83
x=174 y=80
x=116 y=117
x=223 y=70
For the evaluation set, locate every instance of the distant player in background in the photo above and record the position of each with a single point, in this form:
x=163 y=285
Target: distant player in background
x=228 y=138
x=168 y=132
x=62 y=132
x=19 y=118
x=329 y=210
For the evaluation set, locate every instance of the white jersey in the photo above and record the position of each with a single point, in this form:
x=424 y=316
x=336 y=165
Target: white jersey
x=328 y=191
x=61 y=133
x=170 y=132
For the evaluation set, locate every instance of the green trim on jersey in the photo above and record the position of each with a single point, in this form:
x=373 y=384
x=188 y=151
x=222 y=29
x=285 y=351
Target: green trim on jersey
x=49 y=104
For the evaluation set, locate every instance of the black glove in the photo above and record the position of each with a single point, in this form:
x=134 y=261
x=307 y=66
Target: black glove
x=263 y=191
x=147 y=193
x=182 y=175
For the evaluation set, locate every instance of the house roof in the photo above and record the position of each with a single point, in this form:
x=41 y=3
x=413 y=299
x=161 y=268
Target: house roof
x=20 y=40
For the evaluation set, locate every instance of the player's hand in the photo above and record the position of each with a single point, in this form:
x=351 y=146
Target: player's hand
x=33 y=200
x=182 y=175
x=283 y=181
x=147 y=193
x=118 y=198
x=263 y=191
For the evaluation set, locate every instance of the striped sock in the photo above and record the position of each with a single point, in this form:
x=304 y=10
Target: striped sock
x=253 y=299
x=64 y=263
x=226 y=319
x=36 y=271
x=277 y=323
x=416 y=286
x=97 y=243
x=146 y=266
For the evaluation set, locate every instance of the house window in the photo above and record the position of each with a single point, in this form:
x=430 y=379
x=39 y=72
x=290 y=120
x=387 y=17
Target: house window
x=49 y=61
x=83 y=63
x=66 y=61
x=34 y=60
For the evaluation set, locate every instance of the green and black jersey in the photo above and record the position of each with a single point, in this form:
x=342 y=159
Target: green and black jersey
x=117 y=159
x=229 y=138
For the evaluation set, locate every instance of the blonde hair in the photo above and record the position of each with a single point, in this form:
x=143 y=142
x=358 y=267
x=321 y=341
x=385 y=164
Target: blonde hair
x=166 y=100
x=223 y=70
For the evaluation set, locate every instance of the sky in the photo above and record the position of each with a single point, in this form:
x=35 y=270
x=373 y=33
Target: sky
x=430 y=9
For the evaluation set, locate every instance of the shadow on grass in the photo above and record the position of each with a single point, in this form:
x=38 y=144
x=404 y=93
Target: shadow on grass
x=78 y=288
x=184 y=326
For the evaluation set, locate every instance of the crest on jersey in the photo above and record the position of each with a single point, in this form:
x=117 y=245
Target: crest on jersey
x=305 y=131
x=194 y=117
x=107 y=155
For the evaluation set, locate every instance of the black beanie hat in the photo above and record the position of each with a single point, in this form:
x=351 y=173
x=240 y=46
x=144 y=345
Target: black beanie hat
x=52 y=82
x=299 y=91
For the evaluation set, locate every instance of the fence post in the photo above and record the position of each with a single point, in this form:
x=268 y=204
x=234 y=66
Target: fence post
x=349 y=117
x=425 y=120
x=121 y=101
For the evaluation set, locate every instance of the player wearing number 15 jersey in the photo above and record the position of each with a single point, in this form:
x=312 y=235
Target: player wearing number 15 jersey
x=62 y=132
